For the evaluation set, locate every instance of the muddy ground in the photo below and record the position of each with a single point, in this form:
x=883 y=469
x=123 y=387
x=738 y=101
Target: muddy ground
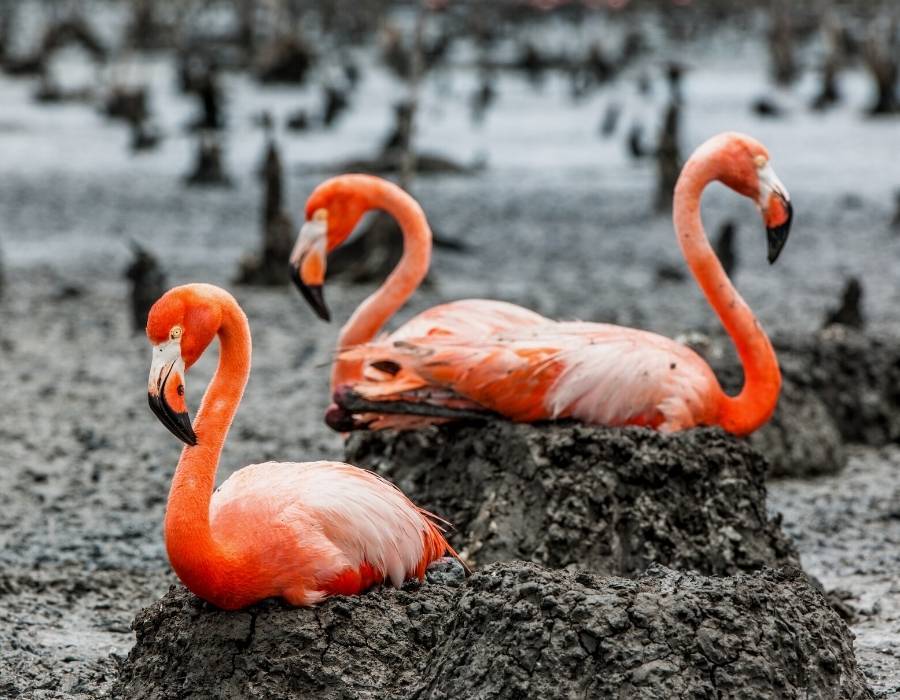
x=511 y=630
x=564 y=226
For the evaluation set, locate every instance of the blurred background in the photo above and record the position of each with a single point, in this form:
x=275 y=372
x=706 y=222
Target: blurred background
x=542 y=139
x=149 y=143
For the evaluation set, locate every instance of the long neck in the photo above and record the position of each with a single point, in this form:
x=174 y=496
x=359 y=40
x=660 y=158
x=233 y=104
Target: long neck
x=375 y=311
x=197 y=558
x=753 y=406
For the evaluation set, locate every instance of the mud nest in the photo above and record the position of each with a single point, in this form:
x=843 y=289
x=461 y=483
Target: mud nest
x=568 y=495
x=856 y=375
x=512 y=630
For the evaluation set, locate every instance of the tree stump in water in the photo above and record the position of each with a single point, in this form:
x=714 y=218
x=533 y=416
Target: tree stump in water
x=570 y=495
x=725 y=248
x=148 y=283
x=208 y=170
x=370 y=255
x=512 y=630
x=668 y=157
x=269 y=265
x=849 y=310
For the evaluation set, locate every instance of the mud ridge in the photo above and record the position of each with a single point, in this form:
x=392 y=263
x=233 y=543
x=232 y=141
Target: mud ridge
x=569 y=495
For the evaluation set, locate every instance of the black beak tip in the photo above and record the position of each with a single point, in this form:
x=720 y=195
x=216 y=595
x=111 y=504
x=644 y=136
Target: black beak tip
x=312 y=293
x=777 y=236
x=179 y=424
x=189 y=437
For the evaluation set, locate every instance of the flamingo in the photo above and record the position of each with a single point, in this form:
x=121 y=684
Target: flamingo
x=332 y=212
x=298 y=531
x=597 y=373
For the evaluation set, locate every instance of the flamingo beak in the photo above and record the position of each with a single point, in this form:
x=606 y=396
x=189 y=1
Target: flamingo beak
x=165 y=391
x=307 y=265
x=775 y=204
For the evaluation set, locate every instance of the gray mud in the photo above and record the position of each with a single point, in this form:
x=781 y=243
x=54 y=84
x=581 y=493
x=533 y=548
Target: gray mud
x=563 y=226
x=847 y=528
x=568 y=495
x=511 y=630
x=855 y=374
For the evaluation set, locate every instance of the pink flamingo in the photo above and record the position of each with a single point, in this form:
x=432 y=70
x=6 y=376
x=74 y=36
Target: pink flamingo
x=332 y=211
x=300 y=532
x=597 y=373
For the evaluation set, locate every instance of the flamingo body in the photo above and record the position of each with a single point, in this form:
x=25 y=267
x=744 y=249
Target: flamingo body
x=305 y=531
x=465 y=319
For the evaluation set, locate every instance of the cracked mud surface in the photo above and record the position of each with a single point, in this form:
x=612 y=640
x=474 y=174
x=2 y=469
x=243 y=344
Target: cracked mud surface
x=511 y=630
x=568 y=495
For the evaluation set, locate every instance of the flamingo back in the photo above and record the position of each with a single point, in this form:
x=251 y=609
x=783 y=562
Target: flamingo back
x=467 y=318
x=598 y=373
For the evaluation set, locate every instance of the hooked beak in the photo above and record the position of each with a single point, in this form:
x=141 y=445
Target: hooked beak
x=307 y=266
x=775 y=204
x=165 y=391
x=311 y=292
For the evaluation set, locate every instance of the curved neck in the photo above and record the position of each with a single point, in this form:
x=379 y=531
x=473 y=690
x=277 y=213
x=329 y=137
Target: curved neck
x=375 y=311
x=197 y=558
x=744 y=413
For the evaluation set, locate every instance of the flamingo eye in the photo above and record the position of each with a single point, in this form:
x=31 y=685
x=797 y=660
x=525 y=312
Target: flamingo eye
x=176 y=332
x=320 y=215
x=760 y=161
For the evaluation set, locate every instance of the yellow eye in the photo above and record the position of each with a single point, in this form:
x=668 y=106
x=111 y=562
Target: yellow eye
x=320 y=215
x=760 y=161
x=175 y=333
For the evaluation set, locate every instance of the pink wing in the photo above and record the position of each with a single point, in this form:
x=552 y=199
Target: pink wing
x=597 y=373
x=308 y=524
x=468 y=318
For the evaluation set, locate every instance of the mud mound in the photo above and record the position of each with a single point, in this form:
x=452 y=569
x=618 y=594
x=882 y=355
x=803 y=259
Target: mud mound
x=856 y=375
x=611 y=501
x=511 y=630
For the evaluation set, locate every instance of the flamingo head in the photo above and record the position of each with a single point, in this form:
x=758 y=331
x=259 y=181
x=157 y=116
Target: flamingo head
x=180 y=326
x=332 y=212
x=745 y=168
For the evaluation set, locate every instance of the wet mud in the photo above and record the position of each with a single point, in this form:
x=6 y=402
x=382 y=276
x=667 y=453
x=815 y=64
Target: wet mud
x=511 y=630
x=569 y=495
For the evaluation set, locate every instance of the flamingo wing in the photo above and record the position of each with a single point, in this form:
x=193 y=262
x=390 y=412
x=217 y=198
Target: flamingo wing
x=597 y=373
x=459 y=320
x=467 y=318
x=324 y=527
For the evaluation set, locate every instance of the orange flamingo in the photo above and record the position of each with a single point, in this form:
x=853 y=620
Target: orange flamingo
x=300 y=532
x=596 y=373
x=332 y=211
